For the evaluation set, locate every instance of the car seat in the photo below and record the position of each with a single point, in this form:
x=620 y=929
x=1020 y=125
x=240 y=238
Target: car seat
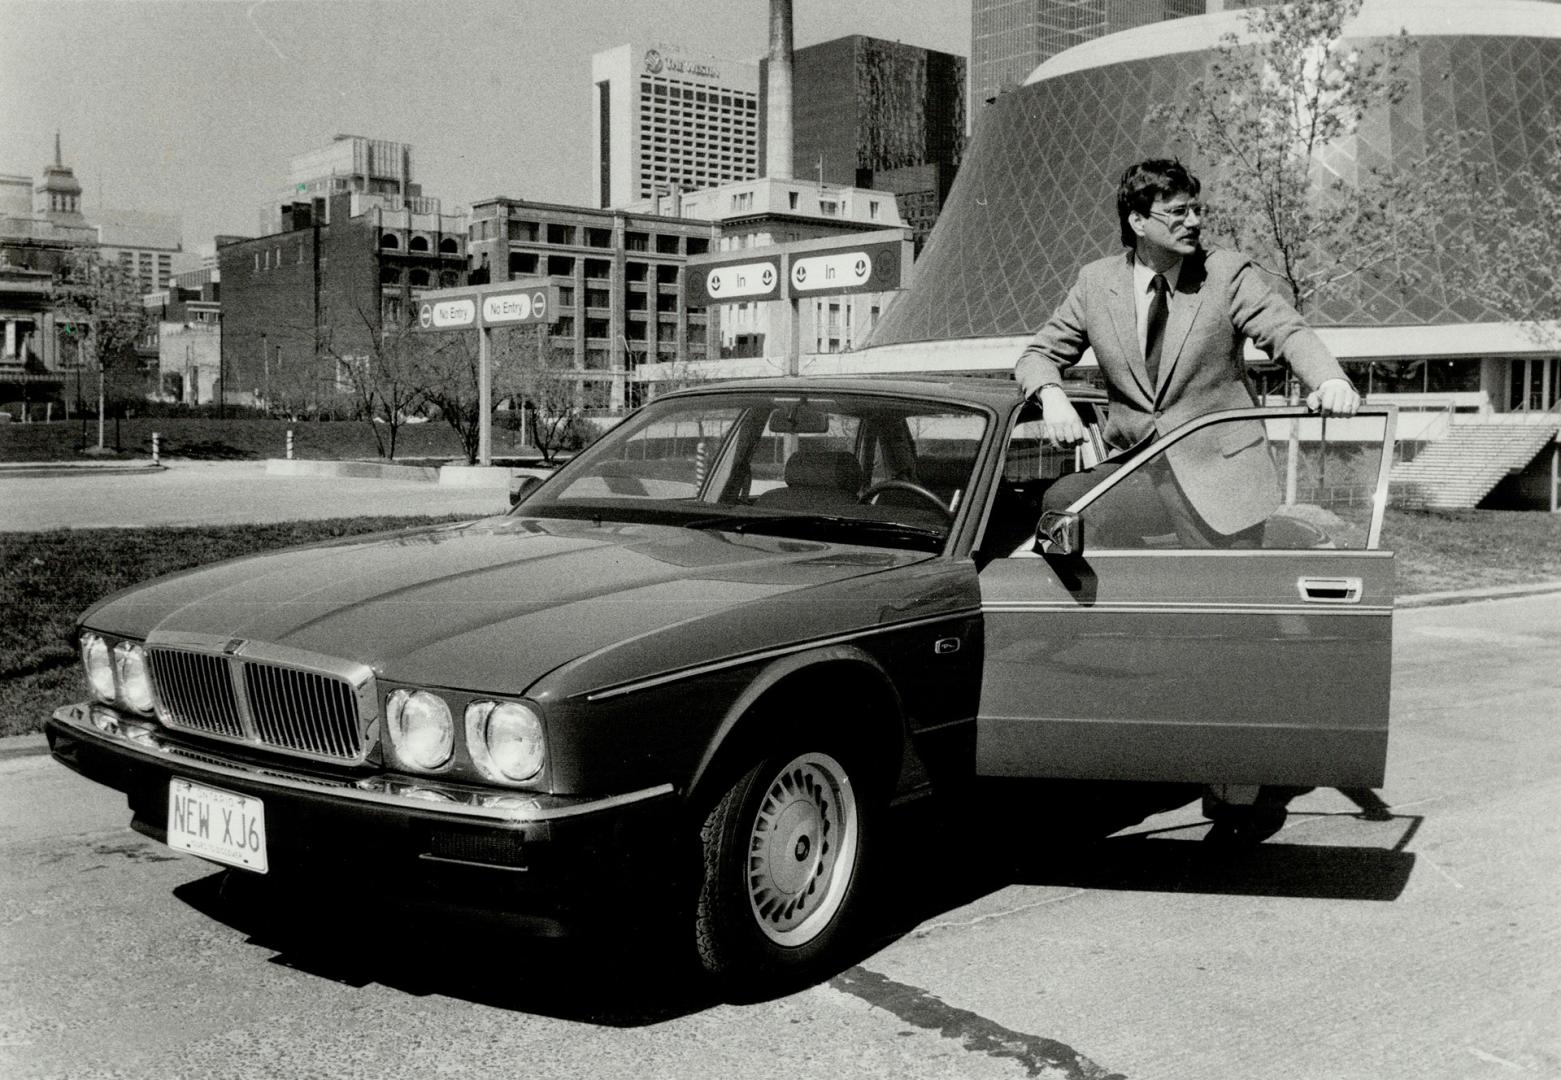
x=816 y=481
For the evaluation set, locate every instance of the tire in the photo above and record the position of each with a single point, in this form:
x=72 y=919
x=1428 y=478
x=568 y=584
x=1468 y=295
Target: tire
x=782 y=870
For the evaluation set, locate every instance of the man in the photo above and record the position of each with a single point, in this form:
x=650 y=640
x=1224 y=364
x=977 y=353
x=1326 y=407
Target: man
x=1168 y=322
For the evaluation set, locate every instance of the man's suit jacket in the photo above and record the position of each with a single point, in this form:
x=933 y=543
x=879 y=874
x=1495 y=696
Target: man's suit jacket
x=1221 y=299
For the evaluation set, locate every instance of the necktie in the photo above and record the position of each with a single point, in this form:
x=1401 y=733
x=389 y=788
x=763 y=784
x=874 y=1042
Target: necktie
x=1156 y=332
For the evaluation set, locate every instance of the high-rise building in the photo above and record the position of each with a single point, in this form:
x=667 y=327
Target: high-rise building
x=1010 y=38
x=145 y=244
x=880 y=114
x=349 y=164
x=665 y=117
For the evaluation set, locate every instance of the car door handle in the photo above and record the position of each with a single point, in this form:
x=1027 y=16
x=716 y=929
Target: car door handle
x=1338 y=590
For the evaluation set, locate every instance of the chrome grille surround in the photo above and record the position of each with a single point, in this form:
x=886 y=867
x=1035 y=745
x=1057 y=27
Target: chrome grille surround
x=296 y=702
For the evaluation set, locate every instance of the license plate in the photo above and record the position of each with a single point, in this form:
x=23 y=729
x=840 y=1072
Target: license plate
x=218 y=825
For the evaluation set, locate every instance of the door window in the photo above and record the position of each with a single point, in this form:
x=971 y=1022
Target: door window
x=1284 y=482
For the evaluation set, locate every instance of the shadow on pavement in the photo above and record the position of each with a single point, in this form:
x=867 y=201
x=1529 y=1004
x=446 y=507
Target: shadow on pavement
x=613 y=980
x=932 y=859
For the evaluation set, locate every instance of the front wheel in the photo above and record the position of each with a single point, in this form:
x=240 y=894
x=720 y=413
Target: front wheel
x=782 y=867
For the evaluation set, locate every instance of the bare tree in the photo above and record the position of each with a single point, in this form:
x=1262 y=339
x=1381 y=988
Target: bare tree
x=389 y=383
x=543 y=379
x=100 y=304
x=449 y=378
x=1274 y=118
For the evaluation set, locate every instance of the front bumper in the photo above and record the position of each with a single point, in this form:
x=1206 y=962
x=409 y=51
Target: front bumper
x=542 y=856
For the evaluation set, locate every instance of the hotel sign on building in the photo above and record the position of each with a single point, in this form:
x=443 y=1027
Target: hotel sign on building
x=666 y=116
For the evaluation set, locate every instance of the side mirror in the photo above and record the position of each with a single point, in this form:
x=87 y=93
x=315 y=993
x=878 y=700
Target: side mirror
x=522 y=485
x=1060 y=533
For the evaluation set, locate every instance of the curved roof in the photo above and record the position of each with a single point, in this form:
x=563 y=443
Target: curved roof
x=1377 y=18
x=1035 y=197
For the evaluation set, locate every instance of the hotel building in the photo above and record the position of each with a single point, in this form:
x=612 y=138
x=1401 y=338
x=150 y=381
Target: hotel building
x=667 y=118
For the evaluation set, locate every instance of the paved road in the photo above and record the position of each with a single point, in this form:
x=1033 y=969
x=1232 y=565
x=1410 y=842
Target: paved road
x=219 y=493
x=1421 y=947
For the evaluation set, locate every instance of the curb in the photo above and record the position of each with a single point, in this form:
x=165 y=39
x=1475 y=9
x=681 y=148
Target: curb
x=66 y=468
x=1466 y=596
x=17 y=746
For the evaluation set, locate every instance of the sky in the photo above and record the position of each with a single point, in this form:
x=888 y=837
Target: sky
x=197 y=107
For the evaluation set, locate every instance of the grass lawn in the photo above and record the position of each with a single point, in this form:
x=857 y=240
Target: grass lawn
x=48 y=578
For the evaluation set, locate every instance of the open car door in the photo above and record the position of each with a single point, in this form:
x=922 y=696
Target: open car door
x=1141 y=657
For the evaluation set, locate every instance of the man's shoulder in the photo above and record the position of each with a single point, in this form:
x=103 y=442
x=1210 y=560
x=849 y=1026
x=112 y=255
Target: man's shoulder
x=1224 y=263
x=1103 y=267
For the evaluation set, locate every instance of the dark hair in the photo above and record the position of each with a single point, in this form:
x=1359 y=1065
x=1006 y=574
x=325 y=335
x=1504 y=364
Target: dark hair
x=1143 y=183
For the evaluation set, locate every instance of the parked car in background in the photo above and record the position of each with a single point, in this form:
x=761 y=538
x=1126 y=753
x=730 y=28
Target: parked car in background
x=702 y=658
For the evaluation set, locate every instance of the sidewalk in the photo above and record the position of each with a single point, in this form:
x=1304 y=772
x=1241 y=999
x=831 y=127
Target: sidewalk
x=182 y=493
x=1465 y=596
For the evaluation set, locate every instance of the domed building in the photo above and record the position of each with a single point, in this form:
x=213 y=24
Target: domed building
x=1035 y=199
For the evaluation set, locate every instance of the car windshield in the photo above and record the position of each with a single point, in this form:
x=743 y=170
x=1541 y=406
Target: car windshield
x=849 y=467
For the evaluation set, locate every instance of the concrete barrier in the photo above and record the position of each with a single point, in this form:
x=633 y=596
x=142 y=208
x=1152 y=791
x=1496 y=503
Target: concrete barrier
x=474 y=476
x=370 y=469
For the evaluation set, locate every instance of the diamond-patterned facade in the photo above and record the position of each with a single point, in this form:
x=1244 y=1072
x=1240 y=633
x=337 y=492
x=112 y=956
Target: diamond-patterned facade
x=1034 y=199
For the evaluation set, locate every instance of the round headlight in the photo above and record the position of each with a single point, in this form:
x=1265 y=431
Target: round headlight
x=421 y=728
x=505 y=740
x=135 y=683
x=100 y=668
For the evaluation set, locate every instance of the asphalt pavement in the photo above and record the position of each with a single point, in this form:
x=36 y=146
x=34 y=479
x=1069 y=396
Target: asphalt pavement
x=1413 y=941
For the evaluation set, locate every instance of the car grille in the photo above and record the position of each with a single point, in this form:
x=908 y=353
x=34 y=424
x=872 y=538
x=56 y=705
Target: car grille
x=291 y=709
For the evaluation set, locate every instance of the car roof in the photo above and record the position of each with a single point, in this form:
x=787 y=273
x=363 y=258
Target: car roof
x=973 y=390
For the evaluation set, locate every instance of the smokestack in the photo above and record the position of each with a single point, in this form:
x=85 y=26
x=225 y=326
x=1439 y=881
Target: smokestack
x=777 y=122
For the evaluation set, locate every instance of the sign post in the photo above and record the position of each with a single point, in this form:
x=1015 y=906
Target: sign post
x=835 y=266
x=481 y=308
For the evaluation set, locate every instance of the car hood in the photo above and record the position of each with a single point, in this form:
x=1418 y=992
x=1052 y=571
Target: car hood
x=489 y=605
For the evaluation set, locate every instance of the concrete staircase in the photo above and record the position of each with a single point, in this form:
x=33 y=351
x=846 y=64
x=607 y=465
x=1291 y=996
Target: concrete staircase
x=1455 y=473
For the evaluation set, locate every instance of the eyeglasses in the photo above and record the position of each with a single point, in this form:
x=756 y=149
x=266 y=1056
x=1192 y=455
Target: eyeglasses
x=1179 y=213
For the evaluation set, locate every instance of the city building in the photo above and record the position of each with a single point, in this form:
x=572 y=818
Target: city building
x=1010 y=38
x=623 y=302
x=878 y=114
x=41 y=225
x=143 y=243
x=343 y=253
x=1035 y=199
x=57 y=194
x=665 y=117
x=184 y=337
x=301 y=305
x=763 y=212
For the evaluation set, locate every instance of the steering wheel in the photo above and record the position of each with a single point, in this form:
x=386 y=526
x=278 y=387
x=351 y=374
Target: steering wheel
x=874 y=490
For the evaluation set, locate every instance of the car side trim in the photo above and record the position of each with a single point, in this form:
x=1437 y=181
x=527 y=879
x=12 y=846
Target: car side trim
x=1181 y=607
x=76 y=718
x=761 y=656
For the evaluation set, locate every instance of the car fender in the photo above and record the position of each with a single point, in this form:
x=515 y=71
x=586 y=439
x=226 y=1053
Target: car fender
x=739 y=737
